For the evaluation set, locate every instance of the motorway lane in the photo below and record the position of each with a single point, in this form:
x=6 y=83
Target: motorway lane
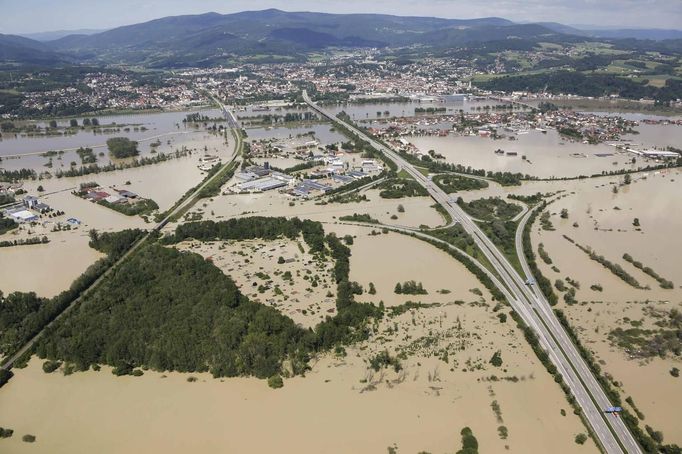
x=525 y=302
x=543 y=305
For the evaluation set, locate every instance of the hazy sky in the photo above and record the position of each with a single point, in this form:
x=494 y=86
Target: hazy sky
x=28 y=16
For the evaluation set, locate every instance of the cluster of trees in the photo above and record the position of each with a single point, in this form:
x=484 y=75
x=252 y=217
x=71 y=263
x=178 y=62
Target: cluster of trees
x=546 y=106
x=170 y=310
x=197 y=117
x=122 y=147
x=355 y=217
x=502 y=233
x=664 y=283
x=609 y=265
x=454 y=183
x=355 y=184
x=469 y=442
x=458 y=237
x=496 y=359
x=7 y=224
x=428 y=110
x=141 y=207
x=571 y=132
x=542 y=282
x=213 y=188
x=25 y=242
x=11 y=176
x=528 y=199
x=397 y=188
x=302 y=166
x=87 y=155
x=249 y=228
x=114 y=244
x=410 y=288
x=6 y=198
x=489 y=209
x=384 y=359
x=649 y=343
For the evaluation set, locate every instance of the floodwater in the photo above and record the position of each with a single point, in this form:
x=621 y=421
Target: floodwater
x=548 y=155
x=324 y=133
x=166 y=128
x=156 y=124
x=46 y=269
x=247 y=261
x=417 y=210
x=660 y=136
x=421 y=408
x=382 y=260
x=370 y=111
x=604 y=222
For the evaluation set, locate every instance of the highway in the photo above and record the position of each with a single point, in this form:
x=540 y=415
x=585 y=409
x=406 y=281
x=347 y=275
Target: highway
x=186 y=204
x=577 y=360
x=609 y=431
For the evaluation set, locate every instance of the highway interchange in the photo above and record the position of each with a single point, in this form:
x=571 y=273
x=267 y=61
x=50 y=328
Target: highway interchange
x=530 y=304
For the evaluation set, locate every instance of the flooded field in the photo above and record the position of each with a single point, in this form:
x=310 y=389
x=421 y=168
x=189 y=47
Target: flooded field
x=388 y=259
x=300 y=287
x=165 y=130
x=46 y=269
x=547 y=155
x=379 y=109
x=324 y=132
x=418 y=210
x=603 y=220
x=43 y=268
x=421 y=407
x=659 y=136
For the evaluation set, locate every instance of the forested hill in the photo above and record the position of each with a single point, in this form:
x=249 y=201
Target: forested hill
x=23 y=50
x=202 y=39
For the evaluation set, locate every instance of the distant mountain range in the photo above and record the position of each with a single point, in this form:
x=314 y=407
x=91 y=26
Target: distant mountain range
x=27 y=51
x=655 y=34
x=56 y=34
x=201 y=40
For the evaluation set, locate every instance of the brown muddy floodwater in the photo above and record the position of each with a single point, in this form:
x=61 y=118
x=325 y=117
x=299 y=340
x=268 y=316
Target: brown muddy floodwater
x=548 y=155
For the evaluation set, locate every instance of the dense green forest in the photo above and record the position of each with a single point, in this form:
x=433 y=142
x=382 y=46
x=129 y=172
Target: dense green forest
x=172 y=310
x=122 y=147
x=490 y=209
x=454 y=183
x=7 y=224
x=397 y=188
x=585 y=85
x=22 y=315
